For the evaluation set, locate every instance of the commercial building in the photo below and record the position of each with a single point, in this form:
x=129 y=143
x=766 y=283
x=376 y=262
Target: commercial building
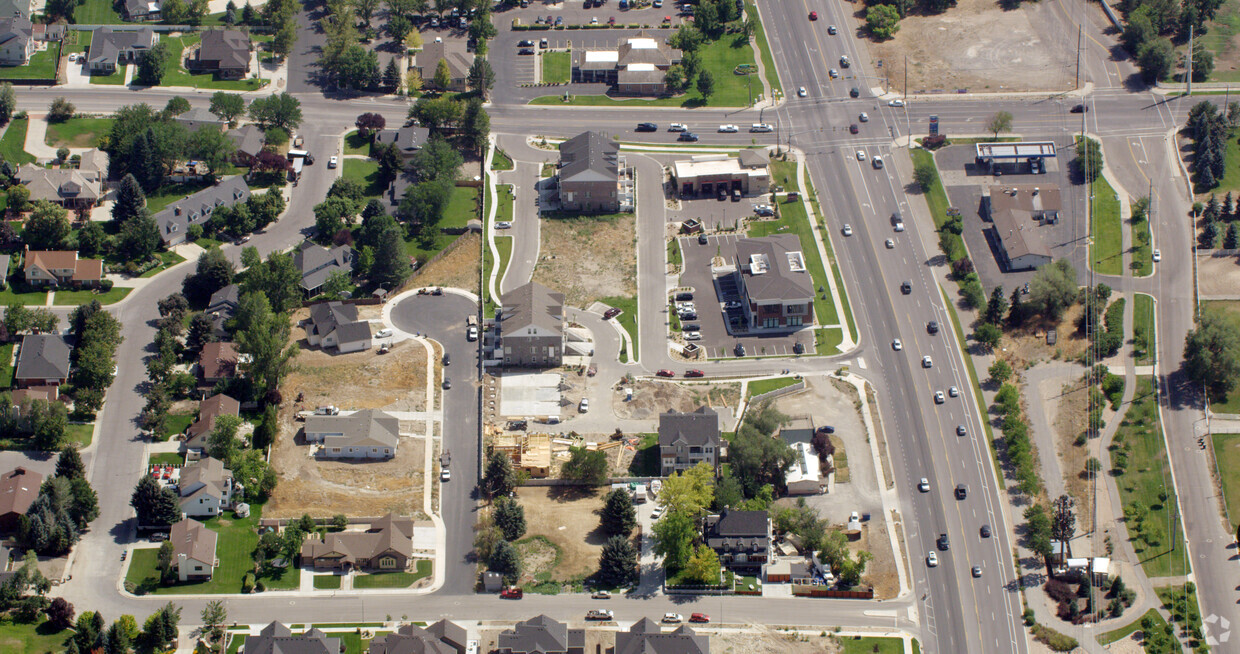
x=454 y=53
x=1015 y=211
x=636 y=67
x=712 y=174
x=775 y=285
x=591 y=174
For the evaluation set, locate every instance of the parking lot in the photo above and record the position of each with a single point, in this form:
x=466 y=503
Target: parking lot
x=710 y=294
x=715 y=214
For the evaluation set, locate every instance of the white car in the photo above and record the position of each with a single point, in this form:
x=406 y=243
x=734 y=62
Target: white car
x=932 y=560
x=897 y=345
x=1157 y=256
x=890 y=244
x=924 y=485
x=864 y=117
x=895 y=103
x=802 y=92
x=677 y=127
x=860 y=155
x=445 y=475
x=72 y=57
x=833 y=73
x=673 y=618
x=503 y=224
x=656 y=513
x=594 y=21
x=383 y=333
x=847 y=229
x=729 y=129
x=331 y=163
x=953 y=391
x=472 y=333
x=927 y=362
x=938 y=397
x=693 y=336
x=899 y=226
x=584 y=406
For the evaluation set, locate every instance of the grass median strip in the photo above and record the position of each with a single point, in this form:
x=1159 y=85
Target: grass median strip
x=793 y=220
x=1144 y=335
x=1106 y=252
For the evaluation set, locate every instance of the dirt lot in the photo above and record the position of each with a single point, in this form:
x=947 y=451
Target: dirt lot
x=650 y=398
x=880 y=572
x=457 y=269
x=361 y=380
x=568 y=517
x=1025 y=346
x=1018 y=50
x=1218 y=277
x=587 y=258
x=1068 y=406
x=759 y=639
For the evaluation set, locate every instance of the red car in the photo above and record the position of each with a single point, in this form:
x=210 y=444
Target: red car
x=813 y=15
x=611 y=313
x=853 y=128
x=511 y=592
x=694 y=373
x=699 y=617
x=665 y=373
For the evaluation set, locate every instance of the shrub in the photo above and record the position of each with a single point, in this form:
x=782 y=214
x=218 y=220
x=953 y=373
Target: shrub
x=934 y=141
x=105 y=285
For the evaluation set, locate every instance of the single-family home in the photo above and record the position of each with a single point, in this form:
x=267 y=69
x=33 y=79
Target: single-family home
x=175 y=219
x=647 y=637
x=742 y=539
x=193 y=550
x=22 y=398
x=142 y=10
x=206 y=488
x=804 y=474
x=531 y=326
x=61 y=268
x=590 y=171
x=276 y=638
x=69 y=187
x=217 y=362
x=221 y=307
x=223 y=52
x=335 y=324
x=366 y=434
x=93 y=165
x=209 y=410
x=386 y=546
x=408 y=139
x=42 y=360
x=200 y=117
x=454 y=53
x=316 y=263
x=442 y=637
x=775 y=283
x=111 y=47
x=17 y=40
x=249 y=140
x=18 y=488
x=687 y=439
x=21 y=8
x=542 y=635
x=44 y=33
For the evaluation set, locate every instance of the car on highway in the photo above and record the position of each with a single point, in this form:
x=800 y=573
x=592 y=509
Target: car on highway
x=813 y=15
x=525 y=43
x=647 y=127
x=932 y=327
x=932 y=560
x=906 y=287
x=927 y=362
x=471 y=333
x=961 y=430
x=899 y=227
x=844 y=62
x=832 y=30
x=694 y=373
x=977 y=571
x=833 y=73
x=1079 y=109
x=1157 y=256
x=953 y=391
x=729 y=129
x=924 y=485
x=673 y=618
x=599 y=614
x=897 y=345
x=853 y=129
x=942 y=542
x=962 y=491
x=584 y=405
x=383 y=333
x=611 y=313
x=447 y=359
x=802 y=92
x=877 y=162
x=761 y=128
x=890 y=243
x=985 y=531
x=331 y=163
x=447 y=383
x=854 y=92
x=688 y=136
x=699 y=617
x=847 y=229
x=693 y=335
x=895 y=103
x=938 y=397
x=860 y=155
x=600 y=594
x=665 y=373
x=863 y=117
x=511 y=592
x=677 y=127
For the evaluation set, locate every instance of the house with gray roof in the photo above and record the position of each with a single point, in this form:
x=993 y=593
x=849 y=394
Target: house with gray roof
x=442 y=637
x=276 y=638
x=93 y=164
x=367 y=434
x=458 y=58
x=221 y=308
x=17 y=40
x=531 y=326
x=5 y=260
x=742 y=539
x=43 y=360
x=687 y=439
x=193 y=550
x=317 y=263
x=70 y=188
x=335 y=324
x=408 y=139
x=542 y=635
x=175 y=219
x=206 y=488
x=13 y=8
x=111 y=47
x=647 y=637
x=142 y=10
x=249 y=140
x=386 y=546
x=590 y=173
x=775 y=283
x=200 y=117
x=223 y=52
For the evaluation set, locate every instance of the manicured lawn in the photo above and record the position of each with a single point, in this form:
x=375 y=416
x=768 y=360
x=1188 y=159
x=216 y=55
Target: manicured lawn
x=13 y=143
x=1108 y=231
x=355 y=144
x=627 y=320
x=1227 y=458
x=832 y=345
x=117 y=77
x=1181 y=602
x=937 y=197
x=1143 y=341
x=169 y=259
x=674 y=257
x=873 y=645
x=1142 y=251
x=1158 y=541
x=76 y=41
x=169 y=193
x=6 y=369
x=1230 y=309
x=827 y=340
x=1126 y=631
x=175 y=75
x=165 y=458
x=237 y=539
x=501 y=161
x=26 y=296
x=460 y=210
x=1219 y=39
x=768 y=62
x=42 y=65
x=504 y=245
x=327 y=582
x=78 y=132
x=96 y=12
x=31 y=638
x=556 y=67
x=366 y=173
x=646 y=459
x=394 y=579
x=113 y=296
x=761 y=386
x=79 y=435
x=503 y=211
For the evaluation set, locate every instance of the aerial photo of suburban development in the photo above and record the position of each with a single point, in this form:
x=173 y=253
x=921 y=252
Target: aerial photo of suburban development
x=619 y=326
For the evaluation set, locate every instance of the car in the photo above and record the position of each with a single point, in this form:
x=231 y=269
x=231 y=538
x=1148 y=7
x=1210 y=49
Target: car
x=687 y=315
x=906 y=287
x=924 y=485
x=447 y=383
x=1157 y=256
x=525 y=43
x=702 y=240
x=434 y=21
x=853 y=129
x=728 y=129
x=594 y=20
x=938 y=397
x=611 y=313
x=511 y=592
x=116 y=370
x=600 y=594
x=813 y=15
x=1079 y=109
x=1025 y=289
x=665 y=373
x=673 y=618
x=677 y=127
x=890 y=243
x=932 y=560
x=977 y=571
x=895 y=103
x=658 y=4
x=472 y=333
x=690 y=326
x=732 y=304
x=525 y=51
x=860 y=155
x=942 y=542
x=383 y=333
x=559 y=20
x=985 y=531
x=844 y=62
x=331 y=163
x=953 y=391
x=761 y=128
x=72 y=57
x=503 y=224
x=693 y=335
x=584 y=405
x=739 y=350
x=854 y=517
x=694 y=373
x=656 y=513
x=832 y=30
x=543 y=44
x=932 y=327
x=864 y=117
x=802 y=92
x=899 y=227
x=599 y=614
x=927 y=362
x=897 y=345
x=961 y=430
x=611 y=21
x=159 y=537
x=763 y=210
x=854 y=92
x=833 y=73
x=647 y=127
x=877 y=162
x=962 y=491
x=684 y=296
x=847 y=229
x=445 y=475
x=688 y=136
x=699 y=617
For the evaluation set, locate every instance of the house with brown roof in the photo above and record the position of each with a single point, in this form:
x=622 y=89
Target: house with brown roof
x=542 y=635
x=637 y=66
x=223 y=52
x=206 y=487
x=199 y=431
x=459 y=61
x=386 y=546
x=218 y=362
x=1015 y=212
x=442 y=637
x=61 y=268
x=18 y=488
x=193 y=550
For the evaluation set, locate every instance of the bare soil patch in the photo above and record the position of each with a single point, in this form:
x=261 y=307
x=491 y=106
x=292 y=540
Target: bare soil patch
x=569 y=518
x=1218 y=276
x=760 y=639
x=459 y=268
x=880 y=572
x=1025 y=346
x=979 y=46
x=650 y=398
x=588 y=258
x=1068 y=407
x=360 y=380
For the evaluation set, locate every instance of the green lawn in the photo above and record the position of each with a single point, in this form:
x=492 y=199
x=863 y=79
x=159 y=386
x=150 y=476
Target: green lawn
x=42 y=65
x=164 y=459
x=1181 y=603
x=761 y=386
x=556 y=67
x=76 y=41
x=627 y=320
x=169 y=260
x=366 y=173
x=501 y=161
x=1126 y=631
x=354 y=143
x=674 y=257
x=768 y=62
x=1219 y=39
x=1142 y=254
x=176 y=75
x=831 y=343
x=1230 y=309
x=6 y=369
x=96 y=12
x=503 y=212
x=327 y=582
x=237 y=539
x=27 y=296
x=872 y=645
x=827 y=340
x=28 y=638
x=79 y=435
x=169 y=193
x=1105 y=253
x=13 y=143
x=460 y=210
x=646 y=462
x=1143 y=341
x=1227 y=458
x=394 y=579
x=1158 y=543
x=113 y=296
x=78 y=132
x=116 y=78
x=504 y=245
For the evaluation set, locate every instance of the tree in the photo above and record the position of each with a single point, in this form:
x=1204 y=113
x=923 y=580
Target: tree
x=356 y=68
x=152 y=64
x=437 y=159
x=143 y=164
x=60 y=110
x=436 y=113
x=703 y=567
x=1001 y=121
x=673 y=539
x=399 y=28
x=211 y=146
x=222 y=442
x=757 y=458
x=1053 y=288
x=8 y=102
x=443 y=76
x=705 y=84
x=925 y=175
x=618 y=517
x=997 y=307
x=988 y=335
x=391 y=265
x=505 y=561
x=391 y=162
x=690 y=491
x=1000 y=371
x=499 y=477
x=1212 y=354
x=510 y=518
x=1063 y=520
x=391 y=76
x=285 y=37
x=165 y=560
x=156 y=506
x=481 y=76
x=1088 y=160
x=1203 y=62
x=266 y=341
x=617 y=563
x=369 y=124
x=1038 y=533
x=139 y=237
x=160 y=628
x=280 y=110
x=365 y=9
x=60 y=614
x=586 y=466
x=19 y=200
x=130 y=200
x=214 y=616
x=47 y=228
x=674 y=78
x=883 y=21
x=176 y=106
x=1155 y=58
x=69 y=464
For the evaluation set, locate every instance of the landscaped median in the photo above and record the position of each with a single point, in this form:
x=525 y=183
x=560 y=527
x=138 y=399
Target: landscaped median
x=1106 y=253
x=503 y=244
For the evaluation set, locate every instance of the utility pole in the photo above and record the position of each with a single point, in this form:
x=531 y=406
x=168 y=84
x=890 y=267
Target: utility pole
x=1189 y=76
x=1078 y=57
x=908 y=125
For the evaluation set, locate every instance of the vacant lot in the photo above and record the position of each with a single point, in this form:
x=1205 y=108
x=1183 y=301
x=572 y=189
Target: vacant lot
x=1027 y=345
x=457 y=269
x=650 y=398
x=568 y=518
x=1068 y=407
x=758 y=639
x=1218 y=276
x=589 y=258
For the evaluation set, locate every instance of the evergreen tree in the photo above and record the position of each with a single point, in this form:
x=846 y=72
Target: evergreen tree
x=391 y=75
x=997 y=308
x=69 y=464
x=618 y=517
x=505 y=561
x=1228 y=209
x=156 y=506
x=1232 y=240
x=499 y=478
x=391 y=264
x=617 y=564
x=510 y=518
x=144 y=165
